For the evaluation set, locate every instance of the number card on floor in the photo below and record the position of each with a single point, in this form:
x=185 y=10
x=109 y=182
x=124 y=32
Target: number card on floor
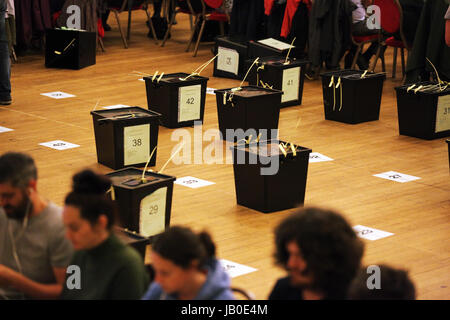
x=59 y=145
x=192 y=182
x=228 y=60
x=116 y=106
x=189 y=103
x=210 y=91
x=4 y=129
x=136 y=144
x=58 y=95
x=235 y=269
x=370 y=233
x=396 y=176
x=317 y=157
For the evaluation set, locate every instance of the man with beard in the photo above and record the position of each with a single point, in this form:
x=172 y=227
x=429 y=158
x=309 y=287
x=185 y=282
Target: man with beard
x=34 y=252
x=321 y=253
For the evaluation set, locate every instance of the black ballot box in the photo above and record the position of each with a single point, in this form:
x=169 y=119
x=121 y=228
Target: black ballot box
x=352 y=96
x=270 y=47
x=70 y=49
x=249 y=109
x=269 y=178
x=126 y=137
x=423 y=110
x=232 y=53
x=287 y=75
x=178 y=97
x=144 y=206
x=133 y=239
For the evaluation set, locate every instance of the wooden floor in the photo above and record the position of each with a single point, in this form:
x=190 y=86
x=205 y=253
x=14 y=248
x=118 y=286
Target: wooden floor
x=417 y=213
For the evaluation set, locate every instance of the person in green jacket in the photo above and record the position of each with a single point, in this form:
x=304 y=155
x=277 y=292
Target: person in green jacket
x=103 y=267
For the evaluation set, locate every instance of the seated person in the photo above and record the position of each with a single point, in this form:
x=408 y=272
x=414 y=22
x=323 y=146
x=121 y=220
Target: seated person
x=108 y=268
x=359 y=28
x=321 y=254
x=185 y=268
x=393 y=284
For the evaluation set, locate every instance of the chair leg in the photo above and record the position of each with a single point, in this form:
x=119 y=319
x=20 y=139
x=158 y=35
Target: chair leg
x=172 y=19
x=377 y=55
x=394 y=63
x=199 y=37
x=125 y=44
x=100 y=42
x=129 y=25
x=152 y=27
x=196 y=21
x=403 y=61
x=358 y=51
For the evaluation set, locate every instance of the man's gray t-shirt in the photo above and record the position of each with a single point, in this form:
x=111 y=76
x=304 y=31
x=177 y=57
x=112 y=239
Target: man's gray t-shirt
x=40 y=247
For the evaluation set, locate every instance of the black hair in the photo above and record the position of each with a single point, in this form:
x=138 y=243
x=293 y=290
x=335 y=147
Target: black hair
x=327 y=243
x=181 y=246
x=395 y=284
x=89 y=196
x=18 y=169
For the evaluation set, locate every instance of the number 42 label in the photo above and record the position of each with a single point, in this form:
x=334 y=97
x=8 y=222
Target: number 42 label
x=189 y=103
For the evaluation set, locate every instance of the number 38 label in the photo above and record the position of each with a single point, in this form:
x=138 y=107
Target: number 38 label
x=189 y=103
x=136 y=144
x=152 y=218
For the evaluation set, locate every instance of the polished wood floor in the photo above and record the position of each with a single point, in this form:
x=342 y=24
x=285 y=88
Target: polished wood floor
x=417 y=213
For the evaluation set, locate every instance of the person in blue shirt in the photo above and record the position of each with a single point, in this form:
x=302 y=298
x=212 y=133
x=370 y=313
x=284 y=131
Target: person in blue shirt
x=185 y=268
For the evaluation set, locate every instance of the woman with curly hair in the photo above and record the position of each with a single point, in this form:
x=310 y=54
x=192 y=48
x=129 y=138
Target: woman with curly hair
x=321 y=253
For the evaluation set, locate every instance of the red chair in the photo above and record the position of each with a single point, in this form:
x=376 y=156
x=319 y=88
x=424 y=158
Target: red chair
x=391 y=22
x=131 y=5
x=201 y=14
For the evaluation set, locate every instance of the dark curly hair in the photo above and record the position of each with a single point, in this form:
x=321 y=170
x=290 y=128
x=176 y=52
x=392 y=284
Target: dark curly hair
x=395 y=285
x=89 y=196
x=327 y=243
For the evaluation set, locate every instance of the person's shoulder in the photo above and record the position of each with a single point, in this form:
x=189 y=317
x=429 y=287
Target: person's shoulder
x=154 y=292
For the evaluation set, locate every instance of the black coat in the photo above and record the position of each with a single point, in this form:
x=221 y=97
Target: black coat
x=329 y=31
x=429 y=42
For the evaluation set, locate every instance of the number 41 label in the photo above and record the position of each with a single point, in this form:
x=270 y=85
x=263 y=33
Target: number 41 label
x=291 y=83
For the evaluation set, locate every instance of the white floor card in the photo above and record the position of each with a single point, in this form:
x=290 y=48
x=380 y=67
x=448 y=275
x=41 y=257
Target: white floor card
x=116 y=106
x=396 y=176
x=235 y=269
x=4 y=129
x=58 y=95
x=59 y=145
x=370 y=233
x=210 y=90
x=317 y=157
x=192 y=182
